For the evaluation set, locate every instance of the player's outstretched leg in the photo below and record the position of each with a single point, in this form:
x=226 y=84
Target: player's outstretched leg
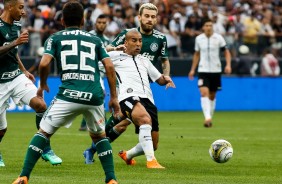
x=34 y=152
x=123 y=155
x=110 y=129
x=48 y=154
x=145 y=139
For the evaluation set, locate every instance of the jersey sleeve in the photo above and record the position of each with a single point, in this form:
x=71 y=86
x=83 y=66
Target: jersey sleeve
x=119 y=40
x=164 y=51
x=153 y=71
x=222 y=42
x=114 y=57
x=101 y=51
x=50 y=46
x=197 y=46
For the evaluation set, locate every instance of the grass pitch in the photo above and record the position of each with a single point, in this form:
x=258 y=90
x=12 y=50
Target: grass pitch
x=183 y=150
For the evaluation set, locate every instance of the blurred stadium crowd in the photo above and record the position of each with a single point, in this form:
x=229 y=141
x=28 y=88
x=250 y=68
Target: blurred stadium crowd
x=256 y=24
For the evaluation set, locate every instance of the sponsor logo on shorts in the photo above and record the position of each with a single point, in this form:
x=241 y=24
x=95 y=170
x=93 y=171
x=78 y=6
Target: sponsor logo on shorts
x=100 y=121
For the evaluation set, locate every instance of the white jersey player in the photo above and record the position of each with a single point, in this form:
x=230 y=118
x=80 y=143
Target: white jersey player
x=207 y=53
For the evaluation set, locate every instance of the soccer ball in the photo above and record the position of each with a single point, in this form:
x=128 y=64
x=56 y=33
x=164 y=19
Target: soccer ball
x=221 y=151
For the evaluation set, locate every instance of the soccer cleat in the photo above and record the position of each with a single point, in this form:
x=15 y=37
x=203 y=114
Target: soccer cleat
x=154 y=165
x=112 y=182
x=208 y=123
x=89 y=156
x=122 y=155
x=1 y=161
x=51 y=157
x=21 y=180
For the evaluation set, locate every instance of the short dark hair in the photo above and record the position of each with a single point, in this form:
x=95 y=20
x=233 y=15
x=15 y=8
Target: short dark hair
x=72 y=13
x=102 y=16
x=205 y=20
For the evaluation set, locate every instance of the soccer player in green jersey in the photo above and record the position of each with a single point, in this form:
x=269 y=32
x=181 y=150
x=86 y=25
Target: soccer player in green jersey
x=154 y=46
x=154 y=42
x=100 y=26
x=77 y=53
x=15 y=81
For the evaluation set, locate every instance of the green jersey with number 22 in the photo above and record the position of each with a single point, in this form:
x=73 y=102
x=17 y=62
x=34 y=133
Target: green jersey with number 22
x=77 y=54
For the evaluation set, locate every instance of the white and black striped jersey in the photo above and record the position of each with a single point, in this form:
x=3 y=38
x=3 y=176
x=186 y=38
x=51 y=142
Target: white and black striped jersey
x=209 y=48
x=133 y=74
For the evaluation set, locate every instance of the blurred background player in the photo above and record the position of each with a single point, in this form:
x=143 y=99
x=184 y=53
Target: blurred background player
x=100 y=26
x=15 y=81
x=77 y=53
x=154 y=46
x=207 y=54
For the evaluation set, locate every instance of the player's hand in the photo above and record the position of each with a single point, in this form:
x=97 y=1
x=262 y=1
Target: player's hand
x=170 y=83
x=191 y=75
x=29 y=75
x=121 y=48
x=227 y=70
x=114 y=107
x=41 y=89
x=23 y=38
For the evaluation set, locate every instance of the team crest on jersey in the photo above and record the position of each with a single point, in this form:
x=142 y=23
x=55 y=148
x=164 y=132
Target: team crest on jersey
x=1 y=24
x=154 y=47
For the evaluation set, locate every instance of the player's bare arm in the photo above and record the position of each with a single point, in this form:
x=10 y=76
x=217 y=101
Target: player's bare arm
x=227 y=68
x=166 y=80
x=195 y=62
x=110 y=72
x=166 y=66
x=23 y=38
x=44 y=70
x=23 y=69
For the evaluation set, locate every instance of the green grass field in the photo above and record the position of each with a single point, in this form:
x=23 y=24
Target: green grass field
x=183 y=150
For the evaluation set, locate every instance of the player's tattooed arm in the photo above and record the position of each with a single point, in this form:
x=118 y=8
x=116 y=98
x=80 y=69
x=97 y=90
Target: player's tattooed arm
x=166 y=66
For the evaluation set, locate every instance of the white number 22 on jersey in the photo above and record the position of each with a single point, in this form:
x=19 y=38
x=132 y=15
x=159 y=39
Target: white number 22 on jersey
x=74 y=52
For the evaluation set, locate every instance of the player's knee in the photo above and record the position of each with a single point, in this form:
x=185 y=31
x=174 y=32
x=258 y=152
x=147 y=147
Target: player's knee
x=38 y=105
x=97 y=137
x=204 y=94
x=145 y=120
x=41 y=107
